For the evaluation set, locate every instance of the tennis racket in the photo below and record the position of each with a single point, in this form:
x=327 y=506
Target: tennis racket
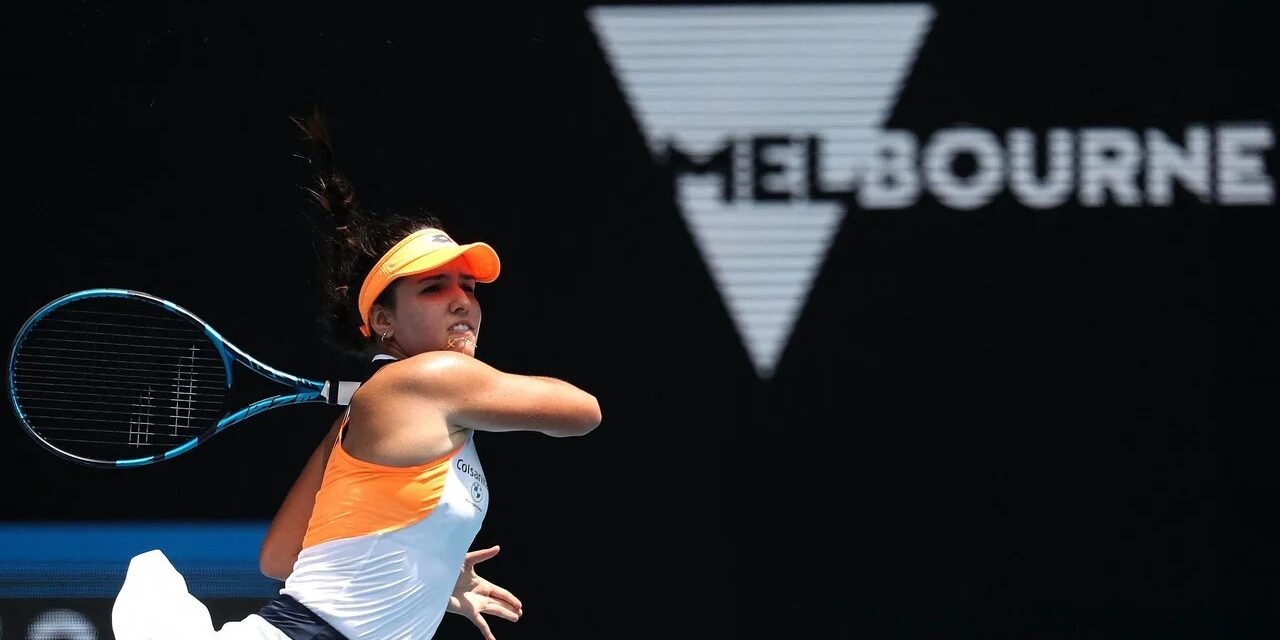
x=118 y=378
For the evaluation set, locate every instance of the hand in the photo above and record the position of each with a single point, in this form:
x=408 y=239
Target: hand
x=473 y=596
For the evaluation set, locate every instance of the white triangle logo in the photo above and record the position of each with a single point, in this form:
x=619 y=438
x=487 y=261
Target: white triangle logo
x=710 y=82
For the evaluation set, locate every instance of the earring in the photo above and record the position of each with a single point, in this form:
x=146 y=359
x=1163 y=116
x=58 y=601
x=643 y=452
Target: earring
x=384 y=336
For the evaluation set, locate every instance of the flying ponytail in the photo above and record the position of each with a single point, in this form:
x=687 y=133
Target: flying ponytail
x=353 y=238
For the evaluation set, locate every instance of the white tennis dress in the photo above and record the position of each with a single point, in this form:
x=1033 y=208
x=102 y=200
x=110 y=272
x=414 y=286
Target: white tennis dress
x=380 y=558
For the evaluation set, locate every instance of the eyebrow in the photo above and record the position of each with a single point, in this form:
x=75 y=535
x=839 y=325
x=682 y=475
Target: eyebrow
x=443 y=276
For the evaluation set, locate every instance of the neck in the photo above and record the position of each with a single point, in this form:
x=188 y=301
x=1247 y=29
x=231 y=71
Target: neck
x=390 y=349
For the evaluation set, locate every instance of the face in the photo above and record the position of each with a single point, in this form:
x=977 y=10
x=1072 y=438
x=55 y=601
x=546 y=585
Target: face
x=434 y=311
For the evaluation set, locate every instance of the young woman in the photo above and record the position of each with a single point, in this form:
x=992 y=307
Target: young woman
x=372 y=539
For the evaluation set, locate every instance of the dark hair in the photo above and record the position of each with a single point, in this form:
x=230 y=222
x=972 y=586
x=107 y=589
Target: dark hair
x=352 y=240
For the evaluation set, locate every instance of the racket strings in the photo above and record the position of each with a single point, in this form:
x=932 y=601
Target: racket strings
x=105 y=376
x=109 y=378
x=39 y=391
x=72 y=332
x=100 y=349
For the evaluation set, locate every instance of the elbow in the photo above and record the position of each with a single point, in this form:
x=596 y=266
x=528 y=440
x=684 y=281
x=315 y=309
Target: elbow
x=589 y=420
x=596 y=416
x=272 y=565
x=275 y=571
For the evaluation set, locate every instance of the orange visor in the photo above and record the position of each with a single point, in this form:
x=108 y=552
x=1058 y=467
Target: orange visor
x=419 y=252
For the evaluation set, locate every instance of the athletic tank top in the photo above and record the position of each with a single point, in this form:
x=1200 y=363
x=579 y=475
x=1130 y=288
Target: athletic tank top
x=384 y=545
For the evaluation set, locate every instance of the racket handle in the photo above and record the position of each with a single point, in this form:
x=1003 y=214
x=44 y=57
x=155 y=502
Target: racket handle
x=339 y=391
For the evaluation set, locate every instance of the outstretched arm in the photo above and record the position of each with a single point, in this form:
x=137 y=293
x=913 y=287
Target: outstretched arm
x=475 y=597
x=477 y=396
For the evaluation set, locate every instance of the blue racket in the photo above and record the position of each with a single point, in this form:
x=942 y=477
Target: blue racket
x=118 y=378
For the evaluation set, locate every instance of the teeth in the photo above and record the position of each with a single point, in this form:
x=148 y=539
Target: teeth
x=460 y=327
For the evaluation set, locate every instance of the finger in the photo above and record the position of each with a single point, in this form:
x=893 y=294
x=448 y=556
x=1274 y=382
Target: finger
x=510 y=599
x=499 y=609
x=480 y=555
x=483 y=627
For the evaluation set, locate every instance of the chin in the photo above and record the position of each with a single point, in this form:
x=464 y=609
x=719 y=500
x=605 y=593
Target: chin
x=463 y=345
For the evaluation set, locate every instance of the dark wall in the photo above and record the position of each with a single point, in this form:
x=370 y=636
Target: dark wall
x=1003 y=422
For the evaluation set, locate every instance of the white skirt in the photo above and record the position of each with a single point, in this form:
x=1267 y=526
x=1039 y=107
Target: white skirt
x=154 y=604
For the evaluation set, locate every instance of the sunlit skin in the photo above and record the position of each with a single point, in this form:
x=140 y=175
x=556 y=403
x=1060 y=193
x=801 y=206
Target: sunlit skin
x=429 y=307
x=422 y=407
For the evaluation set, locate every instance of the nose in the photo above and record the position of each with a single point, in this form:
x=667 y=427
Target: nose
x=461 y=302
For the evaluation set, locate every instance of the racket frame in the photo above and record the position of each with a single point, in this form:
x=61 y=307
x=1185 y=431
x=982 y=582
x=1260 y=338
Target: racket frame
x=304 y=390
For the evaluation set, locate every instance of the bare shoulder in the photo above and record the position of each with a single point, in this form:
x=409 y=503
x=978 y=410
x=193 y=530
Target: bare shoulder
x=432 y=373
x=442 y=370
x=395 y=421
x=468 y=393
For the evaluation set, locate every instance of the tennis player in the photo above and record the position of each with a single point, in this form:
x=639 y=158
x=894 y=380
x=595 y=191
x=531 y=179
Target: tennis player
x=372 y=539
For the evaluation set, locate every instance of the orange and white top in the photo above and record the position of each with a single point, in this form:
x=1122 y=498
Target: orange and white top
x=384 y=545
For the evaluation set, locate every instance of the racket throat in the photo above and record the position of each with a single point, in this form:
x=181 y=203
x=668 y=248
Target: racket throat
x=339 y=392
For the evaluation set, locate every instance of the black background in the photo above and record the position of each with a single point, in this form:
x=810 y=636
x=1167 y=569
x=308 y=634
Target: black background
x=1002 y=423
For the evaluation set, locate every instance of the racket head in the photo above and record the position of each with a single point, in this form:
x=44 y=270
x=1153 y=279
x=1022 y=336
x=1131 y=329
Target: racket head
x=118 y=378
